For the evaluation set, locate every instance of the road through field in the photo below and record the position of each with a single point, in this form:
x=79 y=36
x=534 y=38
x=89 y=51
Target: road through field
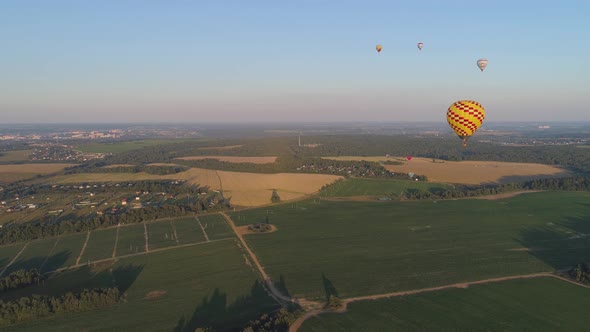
x=297 y=324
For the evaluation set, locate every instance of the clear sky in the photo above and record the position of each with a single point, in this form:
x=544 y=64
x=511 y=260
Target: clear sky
x=298 y=60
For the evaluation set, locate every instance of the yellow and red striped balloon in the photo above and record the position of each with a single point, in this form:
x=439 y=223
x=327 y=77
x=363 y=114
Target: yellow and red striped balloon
x=465 y=117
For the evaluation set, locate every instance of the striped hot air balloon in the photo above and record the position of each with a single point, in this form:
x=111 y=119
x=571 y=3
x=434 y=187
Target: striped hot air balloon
x=465 y=117
x=379 y=48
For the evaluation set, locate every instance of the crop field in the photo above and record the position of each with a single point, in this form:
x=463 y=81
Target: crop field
x=12 y=173
x=377 y=187
x=7 y=253
x=245 y=189
x=221 y=148
x=160 y=235
x=125 y=146
x=188 y=230
x=17 y=155
x=100 y=245
x=467 y=172
x=180 y=289
x=33 y=256
x=216 y=227
x=65 y=252
x=543 y=304
x=234 y=159
x=131 y=240
x=364 y=248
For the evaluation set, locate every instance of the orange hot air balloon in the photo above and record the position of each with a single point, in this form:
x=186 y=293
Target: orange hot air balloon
x=378 y=48
x=465 y=117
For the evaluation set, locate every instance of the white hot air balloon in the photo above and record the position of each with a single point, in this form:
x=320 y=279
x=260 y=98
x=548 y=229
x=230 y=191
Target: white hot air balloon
x=420 y=45
x=482 y=63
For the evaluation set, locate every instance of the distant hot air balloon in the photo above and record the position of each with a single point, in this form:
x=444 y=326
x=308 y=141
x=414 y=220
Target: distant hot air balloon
x=465 y=117
x=409 y=157
x=482 y=63
x=379 y=48
x=420 y=45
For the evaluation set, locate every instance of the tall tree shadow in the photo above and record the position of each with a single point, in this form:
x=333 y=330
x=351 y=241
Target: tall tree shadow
x=214 y=311
x=40 y=262
x=281 y=285
x=329 y=288
x=560 y=244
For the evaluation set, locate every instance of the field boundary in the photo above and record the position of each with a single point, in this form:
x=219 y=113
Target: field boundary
x=48 y=254
x=13 y=260
x=83 y=247
x=145 y=234
x=202 y=228
x=116 y=241
x=461 y=285
x=173 y=224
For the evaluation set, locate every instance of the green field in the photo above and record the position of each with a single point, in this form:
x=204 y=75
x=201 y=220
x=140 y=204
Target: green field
x=100 y=245
x=126 y=146
x=66 y=252
x=543 y=304
x=216 y=227
x=33 y=256
x=361 y=248
x=378 y=187
x=160 y=235
x=188 y=230
x=16 y=155
x=202 y=285
x=131 y=240
x=7 y=253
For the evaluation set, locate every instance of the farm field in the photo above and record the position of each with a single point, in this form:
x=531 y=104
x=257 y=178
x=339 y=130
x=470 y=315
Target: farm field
x=467 y=172
x=100 y=245
x=245 y=189
x=12 y=173
x=234 y=159
x=211 y=278
x=216 y=227
x=65 y=252
x=377 y=187
x=364 y=248
x=126 y=146
x=131 y=239
x=8 y=252
x=188 y=230
x=16 y=155
x=160 y=235
x=543 y=304
x=33 y=256
x=221 y=148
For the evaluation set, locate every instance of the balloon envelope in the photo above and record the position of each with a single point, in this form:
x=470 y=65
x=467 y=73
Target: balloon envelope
x=378 y=48
x=409 y=157
x=465 y=117
x=420 y=45
x=482 y=63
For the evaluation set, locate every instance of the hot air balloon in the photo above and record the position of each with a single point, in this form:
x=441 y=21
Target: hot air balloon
x=465 y=117
x=420 y=45
x=482 y=63
x=409 y=157
x=379 y=48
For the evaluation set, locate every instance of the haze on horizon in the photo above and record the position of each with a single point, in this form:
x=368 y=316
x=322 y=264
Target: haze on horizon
x=216 y=61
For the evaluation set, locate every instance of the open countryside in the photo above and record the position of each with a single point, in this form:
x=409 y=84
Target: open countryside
x=233 y=159
x=467 y=172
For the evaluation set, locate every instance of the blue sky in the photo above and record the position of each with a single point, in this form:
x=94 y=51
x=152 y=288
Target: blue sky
x=303 y=60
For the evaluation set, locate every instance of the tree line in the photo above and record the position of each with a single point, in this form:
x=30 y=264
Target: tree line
x=36 y=306
x=20 y=279
x=580 y=273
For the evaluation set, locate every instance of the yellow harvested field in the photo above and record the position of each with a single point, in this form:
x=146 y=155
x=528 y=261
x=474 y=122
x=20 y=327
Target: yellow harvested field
x=234 y=159
x=467 y=172
x=221 y=148
x=245 y=189
x=11 y=173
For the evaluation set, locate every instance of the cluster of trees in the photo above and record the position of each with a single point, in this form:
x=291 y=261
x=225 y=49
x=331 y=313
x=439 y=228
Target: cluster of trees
x=580 y=183
x=276 y=322
x=20 y=279
x=275 y=198
x=98 y=167
x=581 y=273
x=36 y=306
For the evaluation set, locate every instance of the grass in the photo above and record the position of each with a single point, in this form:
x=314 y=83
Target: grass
x=188 y=230
x=65 y=252
x=7 y=253
x=543 y=304
x=216 y=227
x=33 y=256
x=131 y=240
x=17 y=155
x=378 y=187
x=126 y=146
x=198 y=286
x=160 y=235
x=362 y=248
x=100 y=245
